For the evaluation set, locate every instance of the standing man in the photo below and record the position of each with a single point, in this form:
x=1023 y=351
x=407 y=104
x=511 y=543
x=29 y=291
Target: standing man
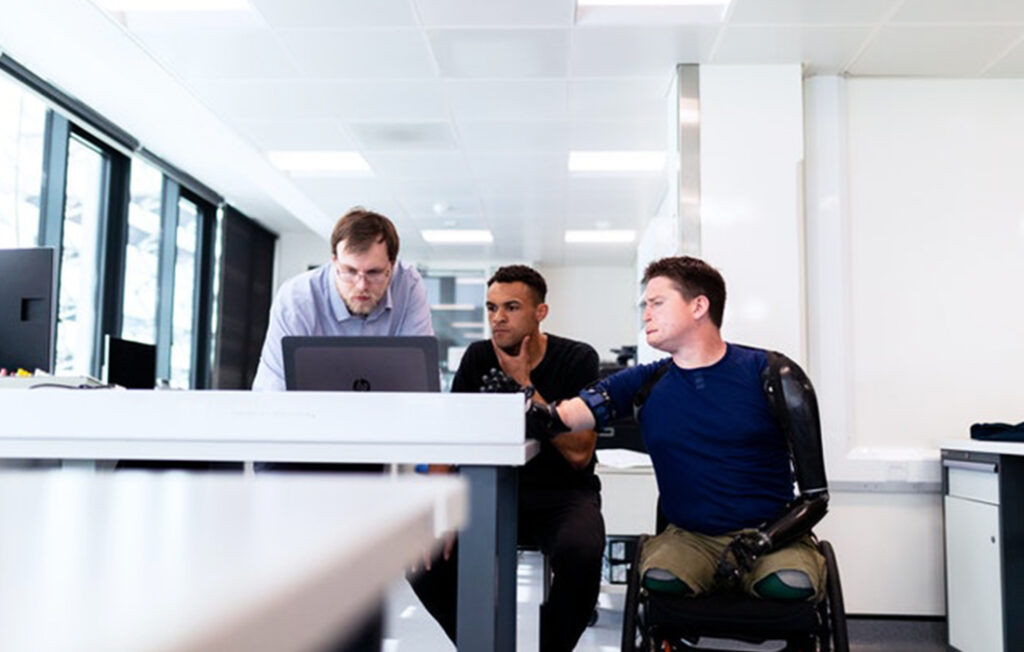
x=364 y=290
x=559 y=495
x=728 y=427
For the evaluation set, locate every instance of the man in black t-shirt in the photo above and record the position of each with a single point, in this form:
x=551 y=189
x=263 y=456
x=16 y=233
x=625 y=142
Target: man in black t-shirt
x=559 y=495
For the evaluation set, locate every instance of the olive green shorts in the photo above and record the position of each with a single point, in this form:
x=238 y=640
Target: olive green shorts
x=693 y=557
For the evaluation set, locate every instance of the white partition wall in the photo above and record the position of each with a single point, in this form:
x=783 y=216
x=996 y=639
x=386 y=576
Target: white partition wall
x=751 y=142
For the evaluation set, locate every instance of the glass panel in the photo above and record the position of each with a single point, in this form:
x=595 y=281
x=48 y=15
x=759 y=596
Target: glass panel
x=76 y=312
x=22 y=123
x=215 y=291
x=184 y=291
x=142 y=255
x=457 y=311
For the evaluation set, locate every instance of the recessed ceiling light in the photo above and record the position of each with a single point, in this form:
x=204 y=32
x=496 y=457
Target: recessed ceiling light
x=175 y=5
x=679 y=12
x=601 y=236
x=453 y=306
x=457 y=236
x=622 y=161
x=320 y=163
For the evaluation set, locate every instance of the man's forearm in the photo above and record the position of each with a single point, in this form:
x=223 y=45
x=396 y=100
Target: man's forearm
x=576 y=415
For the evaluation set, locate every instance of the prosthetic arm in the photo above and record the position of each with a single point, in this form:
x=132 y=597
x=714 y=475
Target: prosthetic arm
x=792 y=399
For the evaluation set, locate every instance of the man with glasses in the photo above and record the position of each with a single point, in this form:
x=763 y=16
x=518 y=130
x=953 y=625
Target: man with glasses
x=364 y=290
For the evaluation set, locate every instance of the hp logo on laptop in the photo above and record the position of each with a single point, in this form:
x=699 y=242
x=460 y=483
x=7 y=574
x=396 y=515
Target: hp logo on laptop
x=360 y=385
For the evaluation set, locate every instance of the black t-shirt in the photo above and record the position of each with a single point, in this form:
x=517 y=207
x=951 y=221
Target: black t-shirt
x=568 y=366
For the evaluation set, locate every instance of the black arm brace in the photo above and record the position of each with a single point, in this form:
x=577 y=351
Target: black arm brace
x=795 y=406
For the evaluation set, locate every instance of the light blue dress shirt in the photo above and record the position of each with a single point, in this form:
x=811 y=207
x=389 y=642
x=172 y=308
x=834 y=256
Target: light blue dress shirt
x=309 y=304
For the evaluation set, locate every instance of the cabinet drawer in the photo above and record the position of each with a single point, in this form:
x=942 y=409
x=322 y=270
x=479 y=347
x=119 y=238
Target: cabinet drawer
x=976 y=482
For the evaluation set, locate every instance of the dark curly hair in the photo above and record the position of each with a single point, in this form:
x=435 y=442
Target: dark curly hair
x=522 y=274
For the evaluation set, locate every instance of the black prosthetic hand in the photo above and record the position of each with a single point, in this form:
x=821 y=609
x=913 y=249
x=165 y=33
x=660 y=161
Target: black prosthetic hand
x=543 y=422
x=739 y=556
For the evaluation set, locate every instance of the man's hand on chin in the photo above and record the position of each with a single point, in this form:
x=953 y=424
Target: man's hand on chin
x=517 y=367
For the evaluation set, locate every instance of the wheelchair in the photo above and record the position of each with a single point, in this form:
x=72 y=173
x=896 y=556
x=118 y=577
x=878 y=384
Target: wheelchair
x=654 y=621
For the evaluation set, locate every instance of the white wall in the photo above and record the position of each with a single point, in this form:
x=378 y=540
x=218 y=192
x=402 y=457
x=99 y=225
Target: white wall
x=594 y=304
x=751 y=142
x=915 y=232
x=296 y=251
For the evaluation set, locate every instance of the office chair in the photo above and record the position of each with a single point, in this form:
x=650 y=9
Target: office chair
x=660 y=621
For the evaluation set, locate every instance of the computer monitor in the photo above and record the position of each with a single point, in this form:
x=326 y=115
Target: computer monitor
x=28 y=311
x=361 y=364
x=130 y=364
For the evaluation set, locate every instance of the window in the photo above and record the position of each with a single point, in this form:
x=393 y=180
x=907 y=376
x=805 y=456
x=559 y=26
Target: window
x=457 y=312
x=184 y=292
x=22 y=123
x=142 y=254
x=79 y=258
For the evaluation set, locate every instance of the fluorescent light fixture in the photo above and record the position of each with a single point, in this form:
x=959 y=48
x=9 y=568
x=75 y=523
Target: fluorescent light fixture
x=453 y=306
x=320 y=163
x=602 y=236
x=467 y=324
x=175 y=5
x=457 y=236
x=659 y=12
x=651 y=3
x=622 y=161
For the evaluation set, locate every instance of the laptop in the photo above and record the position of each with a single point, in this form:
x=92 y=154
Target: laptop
x=361 y=364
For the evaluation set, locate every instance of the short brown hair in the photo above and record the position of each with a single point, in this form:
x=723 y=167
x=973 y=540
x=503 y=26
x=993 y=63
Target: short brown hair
x=361 y=229
x=528 y=276
x=692 y=277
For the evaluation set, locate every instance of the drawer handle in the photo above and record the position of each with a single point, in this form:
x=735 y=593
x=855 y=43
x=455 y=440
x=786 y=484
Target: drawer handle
x=987 y=467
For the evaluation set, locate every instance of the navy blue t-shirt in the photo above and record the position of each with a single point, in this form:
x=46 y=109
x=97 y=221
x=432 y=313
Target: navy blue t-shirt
x=720 y=460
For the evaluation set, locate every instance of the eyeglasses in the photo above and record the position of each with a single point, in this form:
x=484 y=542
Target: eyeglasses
x=372 y=276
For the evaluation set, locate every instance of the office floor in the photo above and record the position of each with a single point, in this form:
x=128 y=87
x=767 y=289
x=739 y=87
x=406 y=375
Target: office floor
x=409 y=628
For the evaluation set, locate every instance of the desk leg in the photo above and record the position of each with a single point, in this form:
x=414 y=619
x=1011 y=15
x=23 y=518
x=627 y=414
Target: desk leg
x=487 y=561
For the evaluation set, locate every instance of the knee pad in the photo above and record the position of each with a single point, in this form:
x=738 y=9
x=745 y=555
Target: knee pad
x=663 y=581
x=785 y=585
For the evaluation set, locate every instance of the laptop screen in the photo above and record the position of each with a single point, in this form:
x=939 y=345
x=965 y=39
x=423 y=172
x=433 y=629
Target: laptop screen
x=361 y=364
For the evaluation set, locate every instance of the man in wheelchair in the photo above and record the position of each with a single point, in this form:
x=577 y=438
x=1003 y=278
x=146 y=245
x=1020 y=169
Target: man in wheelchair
x=728 y=428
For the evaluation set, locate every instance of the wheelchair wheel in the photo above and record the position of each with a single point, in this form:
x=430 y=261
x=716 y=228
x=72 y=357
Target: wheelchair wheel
x=834 y=598
x=632 y=633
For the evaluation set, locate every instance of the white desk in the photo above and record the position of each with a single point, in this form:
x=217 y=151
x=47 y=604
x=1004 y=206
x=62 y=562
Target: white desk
x=191 y=562
x=481 y=432
x=983 y=486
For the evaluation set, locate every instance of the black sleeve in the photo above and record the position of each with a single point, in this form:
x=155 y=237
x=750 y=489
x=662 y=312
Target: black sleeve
x=583 y=370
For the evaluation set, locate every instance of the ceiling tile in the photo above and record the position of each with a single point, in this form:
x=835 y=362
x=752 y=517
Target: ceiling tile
x=502 y=13
x=403 y=136
x=959 y=11
x=542 y=165
x=360 y=54
x=514 y=136
x=391 y=100
x=634 y=197
x=336 y=14
x=934 y=51
x=212 y=53
x=825 y=50
x=803 y=12
x=540 y=99
x=509 y=208
x=1009 y=65
x=296 y=134
x=620 y=135
x=418 y=165
x=436 y=205
x=259 y=100
x=492 y=53
x=638 y=51
x=640 y=98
